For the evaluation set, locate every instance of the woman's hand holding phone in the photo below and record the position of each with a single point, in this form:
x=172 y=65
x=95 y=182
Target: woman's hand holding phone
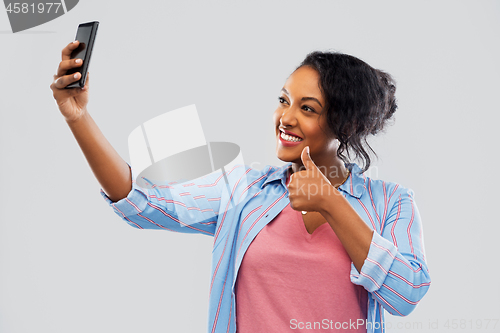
x=71 y=102
x=112 y=172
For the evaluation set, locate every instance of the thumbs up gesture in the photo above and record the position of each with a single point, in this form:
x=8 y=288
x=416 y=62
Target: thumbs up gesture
x=308 y=188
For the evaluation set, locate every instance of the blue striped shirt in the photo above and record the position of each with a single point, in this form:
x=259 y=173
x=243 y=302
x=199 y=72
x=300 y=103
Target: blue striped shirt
x=234 y=204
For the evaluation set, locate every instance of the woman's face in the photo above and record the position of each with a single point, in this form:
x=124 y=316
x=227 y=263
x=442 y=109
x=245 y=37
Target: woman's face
x=300 y=122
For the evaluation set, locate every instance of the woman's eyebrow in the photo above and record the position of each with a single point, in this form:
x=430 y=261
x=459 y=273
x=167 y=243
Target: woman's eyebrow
x=311 y=99
x=304 y=98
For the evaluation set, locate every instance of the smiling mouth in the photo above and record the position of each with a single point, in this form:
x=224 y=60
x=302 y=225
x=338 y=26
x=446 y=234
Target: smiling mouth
x=289 y=138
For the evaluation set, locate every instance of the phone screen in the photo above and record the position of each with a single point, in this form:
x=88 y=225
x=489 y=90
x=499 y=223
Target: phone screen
x=83 y=36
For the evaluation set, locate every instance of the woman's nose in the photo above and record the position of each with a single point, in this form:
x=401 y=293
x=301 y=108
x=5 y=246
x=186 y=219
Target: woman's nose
x=288 y=118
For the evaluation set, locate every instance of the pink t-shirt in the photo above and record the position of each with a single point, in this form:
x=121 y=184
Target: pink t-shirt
x=293 y=281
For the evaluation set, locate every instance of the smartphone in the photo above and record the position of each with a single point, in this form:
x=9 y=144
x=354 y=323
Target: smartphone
x=86 y=36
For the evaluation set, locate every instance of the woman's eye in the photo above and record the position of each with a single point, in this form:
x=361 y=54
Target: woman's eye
x=281 y=100
x=308 y=109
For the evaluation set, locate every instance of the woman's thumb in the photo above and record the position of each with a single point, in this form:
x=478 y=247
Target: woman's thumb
x=87 y=85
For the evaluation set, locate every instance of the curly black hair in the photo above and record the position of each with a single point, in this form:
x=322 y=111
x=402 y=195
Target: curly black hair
x=359 y=100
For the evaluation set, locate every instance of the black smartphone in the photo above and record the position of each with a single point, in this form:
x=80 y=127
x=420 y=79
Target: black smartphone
x=86 y=36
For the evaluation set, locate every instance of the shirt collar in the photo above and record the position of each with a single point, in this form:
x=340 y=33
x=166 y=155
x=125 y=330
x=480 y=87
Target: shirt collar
x=354 y=185
x=279 y=174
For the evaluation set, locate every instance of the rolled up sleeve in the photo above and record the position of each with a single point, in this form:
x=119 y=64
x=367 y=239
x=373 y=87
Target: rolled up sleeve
x=395 y=270
x=189 y=207
x=186 y=207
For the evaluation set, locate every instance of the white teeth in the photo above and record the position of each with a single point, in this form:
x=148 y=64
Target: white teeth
x=287 y=137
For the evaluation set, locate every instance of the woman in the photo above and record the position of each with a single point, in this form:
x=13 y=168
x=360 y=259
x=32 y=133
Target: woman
x=312 y=245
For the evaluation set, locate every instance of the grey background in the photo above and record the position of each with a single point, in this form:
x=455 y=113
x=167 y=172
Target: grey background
x=69 y=264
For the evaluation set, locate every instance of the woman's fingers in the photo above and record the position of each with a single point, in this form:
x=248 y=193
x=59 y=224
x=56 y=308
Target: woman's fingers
x=65 y=65
x=62 y=81
x=66 y=52
x=71 y=102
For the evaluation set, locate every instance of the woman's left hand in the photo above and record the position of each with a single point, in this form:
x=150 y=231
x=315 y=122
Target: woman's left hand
x=308 y=188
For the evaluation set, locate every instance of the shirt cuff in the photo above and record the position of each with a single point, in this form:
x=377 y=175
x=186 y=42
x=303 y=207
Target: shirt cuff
x=377 y=264
x=134 y=203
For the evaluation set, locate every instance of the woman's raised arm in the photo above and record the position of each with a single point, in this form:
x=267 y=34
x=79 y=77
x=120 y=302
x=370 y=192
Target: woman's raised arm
x=109 y=168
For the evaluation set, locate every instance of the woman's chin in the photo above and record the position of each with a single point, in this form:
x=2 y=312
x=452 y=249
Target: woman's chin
x=282 y=159
x=285 y=157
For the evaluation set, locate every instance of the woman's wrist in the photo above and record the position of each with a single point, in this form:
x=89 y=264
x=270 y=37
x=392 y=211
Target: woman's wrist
x=329 y=201
x=76 y=119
